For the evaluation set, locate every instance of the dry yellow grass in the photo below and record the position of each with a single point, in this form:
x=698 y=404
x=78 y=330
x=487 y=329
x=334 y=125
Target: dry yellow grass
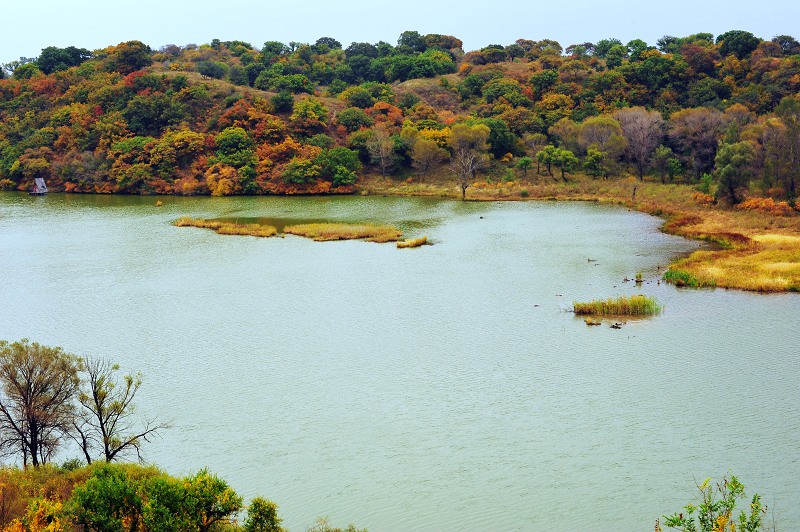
x=413 y=242
x=227 y=228
x=339 y=231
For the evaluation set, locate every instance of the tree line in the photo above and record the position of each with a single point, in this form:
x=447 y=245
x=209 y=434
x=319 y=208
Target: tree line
x=230 y=118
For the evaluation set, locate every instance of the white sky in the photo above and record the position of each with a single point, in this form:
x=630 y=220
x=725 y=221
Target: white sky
x=27 y=27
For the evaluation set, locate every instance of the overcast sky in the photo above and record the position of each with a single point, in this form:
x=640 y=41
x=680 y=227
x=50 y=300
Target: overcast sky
x=29 y=26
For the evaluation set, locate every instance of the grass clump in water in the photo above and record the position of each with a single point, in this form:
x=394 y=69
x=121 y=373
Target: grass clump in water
x=338 y=231
x=637 y=305
x=412 y=242
x=228 y=228
x=684 y=278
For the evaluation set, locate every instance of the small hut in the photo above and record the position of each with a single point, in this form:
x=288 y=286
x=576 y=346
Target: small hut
x=39 y=187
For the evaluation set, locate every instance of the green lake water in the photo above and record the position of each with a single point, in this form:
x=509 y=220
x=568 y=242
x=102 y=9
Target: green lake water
x=446 y=387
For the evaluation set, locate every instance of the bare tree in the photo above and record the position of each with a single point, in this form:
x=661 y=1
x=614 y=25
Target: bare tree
x=469 y=145
x=696 y=132
x=106 y=420
x=381 y=149
x=37 y=387
x=644 y=131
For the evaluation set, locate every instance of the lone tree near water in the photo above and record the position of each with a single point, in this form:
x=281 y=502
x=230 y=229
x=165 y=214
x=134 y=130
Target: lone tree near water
x=37 y=388
x=469 y=145
x=105 y=421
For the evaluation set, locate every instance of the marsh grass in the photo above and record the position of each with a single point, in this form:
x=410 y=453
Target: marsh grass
x=227 y=228
x=413 y=242
x=337 y=231
x=685 y=279
x=638 y=305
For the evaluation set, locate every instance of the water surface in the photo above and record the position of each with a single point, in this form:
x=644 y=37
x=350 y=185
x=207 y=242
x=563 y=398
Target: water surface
x=439 y=388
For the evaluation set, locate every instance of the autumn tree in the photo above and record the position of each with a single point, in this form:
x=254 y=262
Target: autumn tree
x=469 y=148
x=105 y=424
x=37 y=388
x=604 y=134
x=643 y=130
x=427 y=154
x=695 y=132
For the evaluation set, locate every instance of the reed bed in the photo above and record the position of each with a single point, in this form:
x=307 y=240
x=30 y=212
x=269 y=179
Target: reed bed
x=322 y=232
x=228 y=228
x=637 y=305
x=413 y=242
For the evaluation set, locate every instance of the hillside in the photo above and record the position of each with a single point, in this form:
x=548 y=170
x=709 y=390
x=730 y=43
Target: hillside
x=231 y=118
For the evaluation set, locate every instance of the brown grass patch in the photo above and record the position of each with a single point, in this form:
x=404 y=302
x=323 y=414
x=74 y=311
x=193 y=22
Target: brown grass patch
x=338 y=231
x=413 y=242
x=227 y=228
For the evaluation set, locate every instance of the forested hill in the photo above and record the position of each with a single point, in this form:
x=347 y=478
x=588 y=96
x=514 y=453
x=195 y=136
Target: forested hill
x=230 y=118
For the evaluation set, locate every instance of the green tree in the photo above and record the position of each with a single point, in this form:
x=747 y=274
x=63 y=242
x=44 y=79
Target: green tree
x=524 y=164
x=262 y=516
x=283 y=102
x=565 y=160
x=665 y=163
x=354 y=118
x=37 y=387
x=733 y=170
x=593 y=163
x=53 y=59
x=109 y=501
x=338 y=165
x=604 y=45
x=234 y=147
x=301 y=171
x=738 y=42
x=212 y=69
x=210 y=500
x=129 y=57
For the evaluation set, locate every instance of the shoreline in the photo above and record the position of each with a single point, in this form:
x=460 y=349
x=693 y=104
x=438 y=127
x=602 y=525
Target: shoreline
x=752 y=250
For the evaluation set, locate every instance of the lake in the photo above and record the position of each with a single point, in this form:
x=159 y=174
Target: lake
x=446 y=387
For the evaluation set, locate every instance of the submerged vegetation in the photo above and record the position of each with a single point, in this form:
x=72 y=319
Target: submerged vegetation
x=637 y=305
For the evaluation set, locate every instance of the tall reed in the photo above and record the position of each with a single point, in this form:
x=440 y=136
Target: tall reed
x=637 y=305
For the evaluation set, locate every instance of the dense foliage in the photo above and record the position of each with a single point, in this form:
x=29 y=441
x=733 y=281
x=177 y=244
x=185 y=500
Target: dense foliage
x=125 y=497
x=230 y=118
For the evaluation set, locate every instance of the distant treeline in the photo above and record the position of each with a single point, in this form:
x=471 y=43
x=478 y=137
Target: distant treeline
x=230 y=118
